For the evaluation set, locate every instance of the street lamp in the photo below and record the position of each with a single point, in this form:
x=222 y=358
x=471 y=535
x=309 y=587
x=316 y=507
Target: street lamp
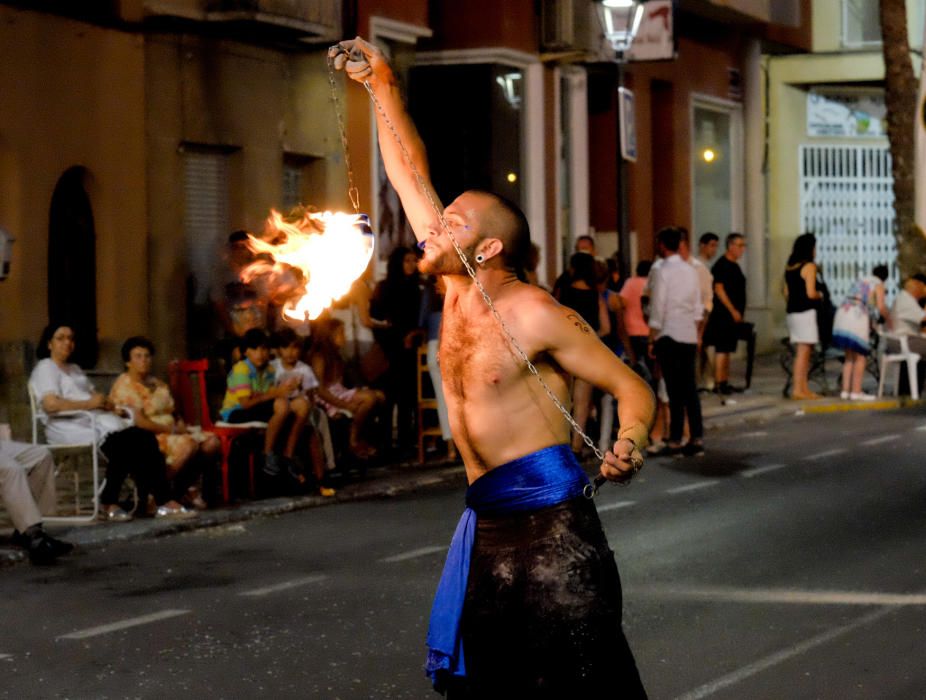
x=620 y=20
x=6 y=253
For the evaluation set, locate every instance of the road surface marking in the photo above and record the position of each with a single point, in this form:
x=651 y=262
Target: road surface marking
x=284 y=586
x=827 y=453
x=879 y=440
x=615 y=506
x=692 y=487
x=430 y=480
x=782 y=656
x=124 y=624
x=5 y=656
x=755 y=471
x=728 y=594
x=414 y=554
x=922 y=428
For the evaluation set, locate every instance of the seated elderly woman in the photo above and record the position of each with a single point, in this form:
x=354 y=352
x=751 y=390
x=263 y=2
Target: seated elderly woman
x=61 y=387
x=186 y=451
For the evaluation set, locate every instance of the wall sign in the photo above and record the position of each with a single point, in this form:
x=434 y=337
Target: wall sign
x=855 y=114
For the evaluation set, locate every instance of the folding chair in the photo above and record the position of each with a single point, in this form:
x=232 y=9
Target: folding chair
x=188 y=385
x=426 y=402
x=891 y=360
x=39 y=417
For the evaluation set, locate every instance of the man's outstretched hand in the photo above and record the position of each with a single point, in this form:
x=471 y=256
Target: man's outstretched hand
x=361 y=60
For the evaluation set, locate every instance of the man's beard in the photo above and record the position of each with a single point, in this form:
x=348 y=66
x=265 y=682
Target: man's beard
x=446 y=262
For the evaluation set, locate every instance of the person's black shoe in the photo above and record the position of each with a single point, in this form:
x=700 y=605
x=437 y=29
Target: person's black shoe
x=41 y=551
x=60 y=547
x=693 y=449
x=724 y=389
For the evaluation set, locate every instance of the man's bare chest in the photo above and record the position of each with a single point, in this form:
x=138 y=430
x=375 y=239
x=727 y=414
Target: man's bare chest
x=474 y=354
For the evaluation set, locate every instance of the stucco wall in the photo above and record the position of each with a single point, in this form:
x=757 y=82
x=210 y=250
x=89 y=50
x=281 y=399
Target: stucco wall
x=790 y=78
x=73 y=95
x=258 y=102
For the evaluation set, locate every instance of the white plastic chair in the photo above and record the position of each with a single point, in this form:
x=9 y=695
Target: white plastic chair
x=98 y=483
x=894 y=360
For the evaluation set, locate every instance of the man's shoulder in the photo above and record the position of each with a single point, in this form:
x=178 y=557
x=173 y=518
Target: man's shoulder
x=532 y=302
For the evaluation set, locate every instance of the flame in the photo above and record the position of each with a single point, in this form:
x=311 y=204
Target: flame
x=312 y=261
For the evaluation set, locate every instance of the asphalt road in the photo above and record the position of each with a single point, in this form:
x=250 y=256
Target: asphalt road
x=787 y=563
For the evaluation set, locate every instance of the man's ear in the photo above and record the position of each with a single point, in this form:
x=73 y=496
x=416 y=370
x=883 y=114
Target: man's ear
x=490 y=247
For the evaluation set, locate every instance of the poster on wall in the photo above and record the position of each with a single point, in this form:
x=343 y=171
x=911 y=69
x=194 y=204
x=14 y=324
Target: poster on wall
x=855 y=114
x=628 y=125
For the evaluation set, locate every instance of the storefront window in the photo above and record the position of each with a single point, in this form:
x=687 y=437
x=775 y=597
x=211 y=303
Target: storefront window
x=712 y=171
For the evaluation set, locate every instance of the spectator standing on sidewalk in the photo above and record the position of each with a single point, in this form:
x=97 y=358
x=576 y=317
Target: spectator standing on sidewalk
x=581 y=295
x=707 y=251
x=852 y=329
x=632 y=294
x=27 y=491
x=676 y=314
x=726 y=318
x=803 y=297
x=397 y=299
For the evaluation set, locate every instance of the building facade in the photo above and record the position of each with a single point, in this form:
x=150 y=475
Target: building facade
x=136 y=135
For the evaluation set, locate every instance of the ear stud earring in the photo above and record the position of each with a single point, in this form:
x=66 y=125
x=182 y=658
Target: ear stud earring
x=480 y=258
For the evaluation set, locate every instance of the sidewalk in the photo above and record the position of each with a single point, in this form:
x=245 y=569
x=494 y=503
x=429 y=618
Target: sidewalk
x=762 y=402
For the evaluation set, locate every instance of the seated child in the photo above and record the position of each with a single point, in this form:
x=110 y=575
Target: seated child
x=358 y=402
x=252 y=394
x=288 y=367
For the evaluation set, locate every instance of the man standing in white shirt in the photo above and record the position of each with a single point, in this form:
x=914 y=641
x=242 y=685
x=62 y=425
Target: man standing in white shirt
x=675 y=321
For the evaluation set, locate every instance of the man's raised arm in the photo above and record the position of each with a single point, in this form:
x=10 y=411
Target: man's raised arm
x=365 y=63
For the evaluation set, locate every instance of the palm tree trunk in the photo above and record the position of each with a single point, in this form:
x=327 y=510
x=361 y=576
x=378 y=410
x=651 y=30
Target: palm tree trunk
x=901 y=103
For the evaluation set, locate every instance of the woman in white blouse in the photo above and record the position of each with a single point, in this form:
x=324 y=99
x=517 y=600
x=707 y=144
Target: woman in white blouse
x=61 y=387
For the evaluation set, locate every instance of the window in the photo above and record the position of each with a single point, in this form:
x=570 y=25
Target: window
x=206 y=216
x=861 y=24
x=292 y=185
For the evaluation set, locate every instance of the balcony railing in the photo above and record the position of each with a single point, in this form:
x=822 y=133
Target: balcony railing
x=310 y=20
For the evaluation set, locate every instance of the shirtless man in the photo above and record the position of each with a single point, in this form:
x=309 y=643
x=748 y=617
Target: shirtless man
x=530 y=599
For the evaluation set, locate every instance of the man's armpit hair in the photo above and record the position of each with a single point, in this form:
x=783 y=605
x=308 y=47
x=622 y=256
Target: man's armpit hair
x=578 y=321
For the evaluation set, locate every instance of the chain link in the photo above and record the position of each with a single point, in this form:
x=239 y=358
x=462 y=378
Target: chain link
x=472 y=273
x=352 y=190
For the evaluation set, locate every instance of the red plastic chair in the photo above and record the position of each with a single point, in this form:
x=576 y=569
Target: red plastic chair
x=188 y=385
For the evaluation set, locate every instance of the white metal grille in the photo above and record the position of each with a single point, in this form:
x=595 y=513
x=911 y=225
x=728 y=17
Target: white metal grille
x=847 y=201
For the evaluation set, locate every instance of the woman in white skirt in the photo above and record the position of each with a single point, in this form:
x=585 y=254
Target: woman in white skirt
x=852 y=329
x=803 y=297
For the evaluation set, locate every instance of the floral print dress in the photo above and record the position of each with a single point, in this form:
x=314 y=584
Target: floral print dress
x=153 y=397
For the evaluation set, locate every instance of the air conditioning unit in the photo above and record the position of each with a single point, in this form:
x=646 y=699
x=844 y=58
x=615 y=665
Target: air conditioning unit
x=569 y=25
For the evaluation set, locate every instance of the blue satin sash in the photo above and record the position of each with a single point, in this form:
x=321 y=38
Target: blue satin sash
x=538 y=480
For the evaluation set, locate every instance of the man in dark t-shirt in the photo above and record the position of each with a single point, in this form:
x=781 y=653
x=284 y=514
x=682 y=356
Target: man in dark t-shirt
x=723 y=326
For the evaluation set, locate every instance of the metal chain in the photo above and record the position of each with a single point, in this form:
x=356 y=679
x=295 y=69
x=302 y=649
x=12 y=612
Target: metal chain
x=352 y=190
x=472 y=273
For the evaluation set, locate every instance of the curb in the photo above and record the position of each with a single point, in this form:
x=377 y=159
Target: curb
x=878 y=405
x=99 y=535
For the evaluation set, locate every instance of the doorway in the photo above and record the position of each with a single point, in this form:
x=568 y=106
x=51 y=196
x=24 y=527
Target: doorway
x=72 y=264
